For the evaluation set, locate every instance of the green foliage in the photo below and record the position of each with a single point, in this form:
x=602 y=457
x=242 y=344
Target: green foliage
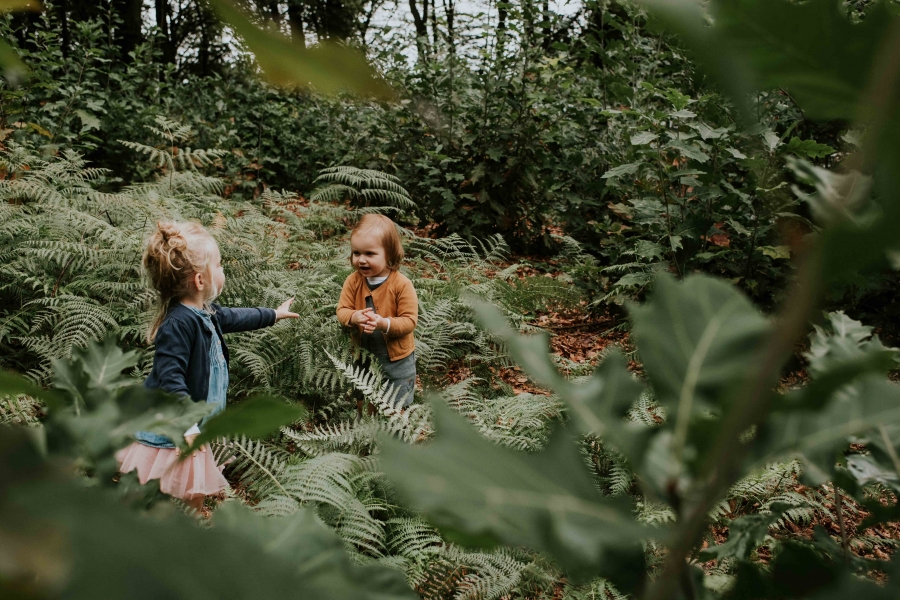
x=273 y=249
x=598 y=137
x=465 y=487
x=362 y=187
x=465 y=484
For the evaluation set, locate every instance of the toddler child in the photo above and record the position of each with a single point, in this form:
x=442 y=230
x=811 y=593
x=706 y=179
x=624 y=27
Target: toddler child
x=184 y=265
x=380 y=304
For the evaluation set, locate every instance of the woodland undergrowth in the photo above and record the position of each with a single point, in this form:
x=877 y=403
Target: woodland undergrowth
x=69 y=273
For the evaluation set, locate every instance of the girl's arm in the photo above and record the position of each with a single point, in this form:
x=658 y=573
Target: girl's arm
x=407 y=312
x=233 y=320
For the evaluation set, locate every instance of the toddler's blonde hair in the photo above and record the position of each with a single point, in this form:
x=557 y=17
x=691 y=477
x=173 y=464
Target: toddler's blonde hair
x=175 y=252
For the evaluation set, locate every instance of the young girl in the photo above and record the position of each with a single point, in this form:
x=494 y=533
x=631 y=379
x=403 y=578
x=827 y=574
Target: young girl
x=183 y=263
x=380 y=304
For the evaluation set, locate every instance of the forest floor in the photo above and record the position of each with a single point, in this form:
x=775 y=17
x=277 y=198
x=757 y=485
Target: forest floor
x=582 y=336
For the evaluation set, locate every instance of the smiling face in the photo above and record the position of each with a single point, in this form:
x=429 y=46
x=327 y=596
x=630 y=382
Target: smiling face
x=367 y=254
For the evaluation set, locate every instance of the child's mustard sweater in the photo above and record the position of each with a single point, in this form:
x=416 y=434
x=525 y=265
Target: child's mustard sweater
x=395 y=299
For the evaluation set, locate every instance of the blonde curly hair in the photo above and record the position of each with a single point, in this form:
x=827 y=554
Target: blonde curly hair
x=175 y=252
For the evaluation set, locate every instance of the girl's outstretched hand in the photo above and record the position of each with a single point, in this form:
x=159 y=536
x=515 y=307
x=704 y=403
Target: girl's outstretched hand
x=284 y=311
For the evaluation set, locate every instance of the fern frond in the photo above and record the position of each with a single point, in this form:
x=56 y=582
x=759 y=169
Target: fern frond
x=361 y=186
x=259 y=467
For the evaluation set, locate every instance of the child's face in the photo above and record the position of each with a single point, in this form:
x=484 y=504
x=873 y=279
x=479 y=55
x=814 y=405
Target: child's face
x=217 y=273
x=367 y=255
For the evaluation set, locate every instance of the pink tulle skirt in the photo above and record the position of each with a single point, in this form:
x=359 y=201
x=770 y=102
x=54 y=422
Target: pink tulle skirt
x=190 y=479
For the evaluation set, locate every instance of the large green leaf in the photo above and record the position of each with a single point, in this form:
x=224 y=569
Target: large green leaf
x=97 y=408
x=95 y=370
x=843 y=340
x=839 y=353
x=815 y=570
x=255 y=418
x=482 y=493
x=316 y=551
x=598 y=406
x=817 y=436
x=811 y=49
x=328 y=67
x=64 y=540
x=695 y=339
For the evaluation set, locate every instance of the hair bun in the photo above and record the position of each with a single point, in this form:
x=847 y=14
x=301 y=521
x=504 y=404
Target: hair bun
x=172 y=234
x=168 y=229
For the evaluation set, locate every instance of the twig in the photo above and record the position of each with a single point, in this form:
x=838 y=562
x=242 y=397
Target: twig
x=840 y=515
x=892 y=452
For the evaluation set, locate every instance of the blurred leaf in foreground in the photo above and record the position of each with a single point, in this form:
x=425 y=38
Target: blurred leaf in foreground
x=13 y=68
x=58 y=538
x=598 y=406
x=317 y=551
x=327 y=67
x=256 y=418
x=811 y=50
x=482 y=494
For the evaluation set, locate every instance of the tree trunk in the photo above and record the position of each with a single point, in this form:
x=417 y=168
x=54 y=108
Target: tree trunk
x=450 y=12
x=502 y=13
x=338 y=20
x=421 y=24
x=129 y=35
x=528 y=23
x=434 y=25
x=295 y=18
x=546 y=38
x=162 y=22
x=65 y=37
x=275 y=13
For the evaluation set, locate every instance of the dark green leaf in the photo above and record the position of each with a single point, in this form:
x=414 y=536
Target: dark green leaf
x=544 y=500
x=256 y=418
x=817 y=436
x=621 y=170
x=643 y=138
x=696 y=338
x=745 y=534
x=328 y=67
x=810 y=148
x=78 y=543
x=598 y=406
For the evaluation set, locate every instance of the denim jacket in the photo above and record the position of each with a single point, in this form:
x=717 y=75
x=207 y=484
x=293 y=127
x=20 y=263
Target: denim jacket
x=186 y=352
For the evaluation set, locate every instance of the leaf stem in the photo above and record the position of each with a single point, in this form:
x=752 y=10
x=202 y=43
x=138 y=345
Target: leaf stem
x=889 y=446
x=838 y=504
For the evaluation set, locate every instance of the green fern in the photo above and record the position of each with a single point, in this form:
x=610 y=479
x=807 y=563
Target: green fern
x=363 y=187
x=20 y=410
x=258 y=466
x=522 y=421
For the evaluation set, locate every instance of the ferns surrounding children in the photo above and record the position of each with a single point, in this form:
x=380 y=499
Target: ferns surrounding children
x=70 y=272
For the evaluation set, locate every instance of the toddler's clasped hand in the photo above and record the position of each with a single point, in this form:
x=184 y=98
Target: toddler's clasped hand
x=368 y=320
